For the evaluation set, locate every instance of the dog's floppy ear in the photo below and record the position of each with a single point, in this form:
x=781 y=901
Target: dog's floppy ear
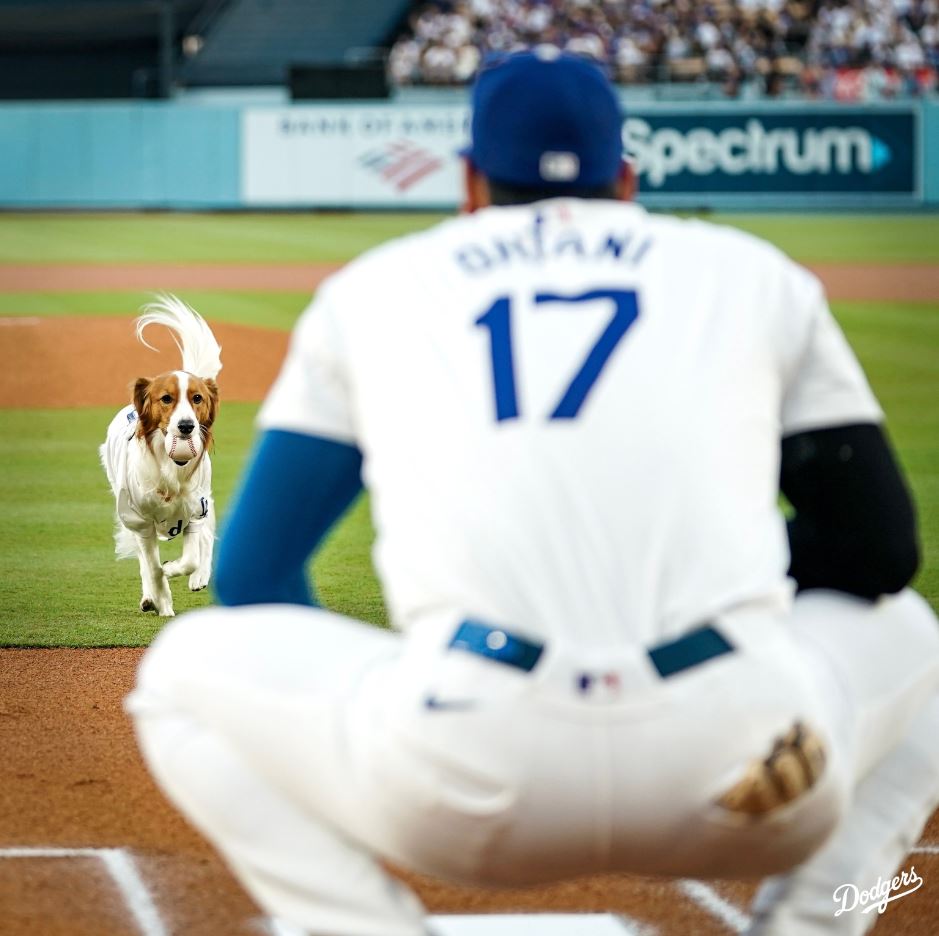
x=213 y=400
x=142 y=405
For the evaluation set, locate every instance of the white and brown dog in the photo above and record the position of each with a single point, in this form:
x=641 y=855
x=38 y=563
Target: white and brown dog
x=155 y=456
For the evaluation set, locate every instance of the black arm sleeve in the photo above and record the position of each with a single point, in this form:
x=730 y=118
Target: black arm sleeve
x=855 y=526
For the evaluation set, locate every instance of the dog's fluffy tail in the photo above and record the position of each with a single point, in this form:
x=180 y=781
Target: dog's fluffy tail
x=200 y=351
x=125 y=546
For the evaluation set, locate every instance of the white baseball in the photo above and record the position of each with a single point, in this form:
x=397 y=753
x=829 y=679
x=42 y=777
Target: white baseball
x=182 y=448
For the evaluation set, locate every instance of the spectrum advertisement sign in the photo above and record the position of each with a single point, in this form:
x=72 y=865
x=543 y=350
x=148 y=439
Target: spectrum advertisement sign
x=851 y=151
x=396 y=156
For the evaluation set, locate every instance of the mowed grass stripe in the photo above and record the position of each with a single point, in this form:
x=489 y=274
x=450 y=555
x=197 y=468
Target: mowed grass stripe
x=278 y=310
x=334 y=238
x=198 y=238
x=845 y=238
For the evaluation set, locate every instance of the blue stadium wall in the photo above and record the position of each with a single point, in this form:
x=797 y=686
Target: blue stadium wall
x=155 y=155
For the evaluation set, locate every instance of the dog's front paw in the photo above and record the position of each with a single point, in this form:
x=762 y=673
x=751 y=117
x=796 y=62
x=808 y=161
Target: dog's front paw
x=178 y=567
x=162 y=608
x=163 y=600
x=198 y=580
x=163 y=605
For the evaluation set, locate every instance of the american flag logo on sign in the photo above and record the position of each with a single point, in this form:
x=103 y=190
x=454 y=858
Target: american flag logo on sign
x=401 y=163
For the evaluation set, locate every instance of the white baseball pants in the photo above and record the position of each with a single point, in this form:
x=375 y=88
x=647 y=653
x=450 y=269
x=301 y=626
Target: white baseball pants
x=303 y=745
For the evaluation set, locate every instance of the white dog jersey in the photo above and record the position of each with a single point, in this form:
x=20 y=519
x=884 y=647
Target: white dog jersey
x=167 y=519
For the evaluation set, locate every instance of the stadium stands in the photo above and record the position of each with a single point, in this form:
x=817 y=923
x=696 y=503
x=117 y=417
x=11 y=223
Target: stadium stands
x=828 y=49
x=858 y=48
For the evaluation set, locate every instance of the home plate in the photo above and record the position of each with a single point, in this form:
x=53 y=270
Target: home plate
x=535 y=924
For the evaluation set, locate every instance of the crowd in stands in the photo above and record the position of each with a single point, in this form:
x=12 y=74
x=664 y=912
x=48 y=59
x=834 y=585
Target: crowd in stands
x=818 y=47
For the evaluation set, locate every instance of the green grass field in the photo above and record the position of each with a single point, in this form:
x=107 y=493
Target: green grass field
x=328 y=238
x=59 y=582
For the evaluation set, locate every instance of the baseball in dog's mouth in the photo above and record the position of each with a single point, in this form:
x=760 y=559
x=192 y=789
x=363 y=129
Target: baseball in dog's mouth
x=181 y=449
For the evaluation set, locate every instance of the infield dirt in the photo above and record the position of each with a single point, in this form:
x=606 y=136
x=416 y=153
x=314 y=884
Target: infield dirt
x=899 y=282
x=70 y=776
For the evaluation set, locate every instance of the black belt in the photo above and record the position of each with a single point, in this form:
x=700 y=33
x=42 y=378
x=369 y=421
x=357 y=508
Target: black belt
x=495 y=643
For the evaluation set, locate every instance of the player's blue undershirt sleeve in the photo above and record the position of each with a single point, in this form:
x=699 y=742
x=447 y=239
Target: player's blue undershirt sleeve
x=296 y=486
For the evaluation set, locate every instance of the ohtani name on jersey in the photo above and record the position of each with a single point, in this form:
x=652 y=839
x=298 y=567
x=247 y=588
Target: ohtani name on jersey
x=534 y=245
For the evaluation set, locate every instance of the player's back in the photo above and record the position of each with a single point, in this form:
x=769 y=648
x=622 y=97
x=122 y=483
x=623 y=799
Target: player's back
x=570 y=415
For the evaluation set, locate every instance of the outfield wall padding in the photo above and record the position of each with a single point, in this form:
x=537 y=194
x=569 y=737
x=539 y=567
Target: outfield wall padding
x=395 y=155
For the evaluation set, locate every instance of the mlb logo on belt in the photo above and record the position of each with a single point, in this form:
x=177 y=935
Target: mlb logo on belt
x=599 y=686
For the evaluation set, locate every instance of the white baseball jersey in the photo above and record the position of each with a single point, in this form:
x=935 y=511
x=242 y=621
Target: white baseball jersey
x=570 y=413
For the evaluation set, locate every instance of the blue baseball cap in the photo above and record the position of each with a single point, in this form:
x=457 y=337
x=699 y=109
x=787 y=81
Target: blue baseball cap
x=544 y=119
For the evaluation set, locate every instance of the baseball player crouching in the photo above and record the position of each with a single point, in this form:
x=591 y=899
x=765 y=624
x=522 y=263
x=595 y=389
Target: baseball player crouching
x=574 y=420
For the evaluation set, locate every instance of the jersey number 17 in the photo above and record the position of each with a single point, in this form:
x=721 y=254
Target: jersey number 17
x=498 y=320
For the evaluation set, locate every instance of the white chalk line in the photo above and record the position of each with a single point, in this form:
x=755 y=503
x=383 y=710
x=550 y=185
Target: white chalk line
x=120 y=866
x=711 y=902
x=50 y=852
x=136 y=896
x=511 y=924
x=544 y=924
x=636 y=927
x=123 y=871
